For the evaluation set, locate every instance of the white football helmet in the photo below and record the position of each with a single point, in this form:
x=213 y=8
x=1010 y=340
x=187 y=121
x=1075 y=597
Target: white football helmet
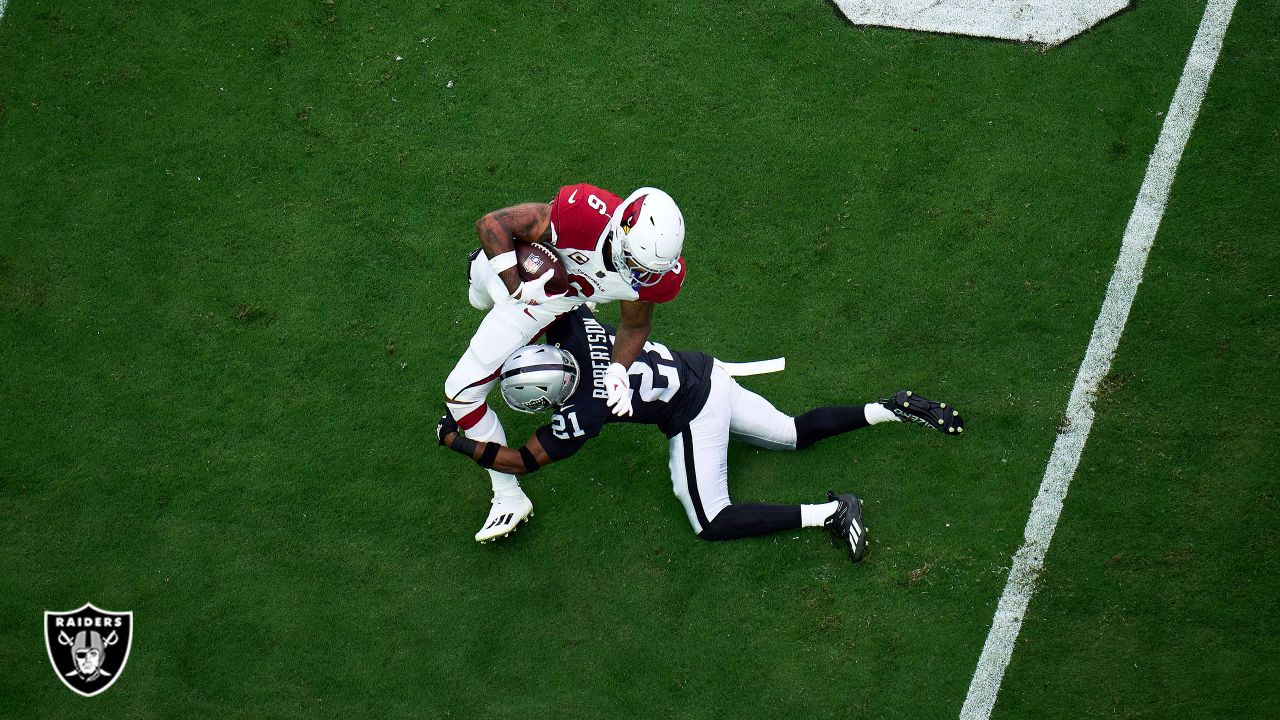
x=648 y=234
x=538 y=377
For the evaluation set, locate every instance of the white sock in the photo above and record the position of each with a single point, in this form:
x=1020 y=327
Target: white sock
x=877 y=413
x=816 y=515
x=489 y=429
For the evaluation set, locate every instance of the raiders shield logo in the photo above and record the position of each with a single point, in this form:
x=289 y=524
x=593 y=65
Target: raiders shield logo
x=88 y=647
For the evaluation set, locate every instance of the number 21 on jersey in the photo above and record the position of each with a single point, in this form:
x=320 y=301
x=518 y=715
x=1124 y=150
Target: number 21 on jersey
x=560 y=426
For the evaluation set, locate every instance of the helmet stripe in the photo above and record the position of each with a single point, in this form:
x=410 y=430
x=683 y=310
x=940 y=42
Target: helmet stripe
x=532 y=368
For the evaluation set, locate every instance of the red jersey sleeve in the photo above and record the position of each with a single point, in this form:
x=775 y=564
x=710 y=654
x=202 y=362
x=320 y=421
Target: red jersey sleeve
x=666 y=289
x=579 y=214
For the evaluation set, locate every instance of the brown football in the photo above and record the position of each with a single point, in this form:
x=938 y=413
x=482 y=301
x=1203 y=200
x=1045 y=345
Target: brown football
x=533 y=259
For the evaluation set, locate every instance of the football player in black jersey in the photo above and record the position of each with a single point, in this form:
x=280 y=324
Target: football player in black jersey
x=695 y=400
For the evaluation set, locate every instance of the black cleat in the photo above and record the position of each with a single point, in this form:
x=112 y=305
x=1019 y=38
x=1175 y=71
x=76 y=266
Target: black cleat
x=921 y=410
x=845 y=525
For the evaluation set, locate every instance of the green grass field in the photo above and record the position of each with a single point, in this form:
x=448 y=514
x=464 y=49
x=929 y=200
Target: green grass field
x=232 y=245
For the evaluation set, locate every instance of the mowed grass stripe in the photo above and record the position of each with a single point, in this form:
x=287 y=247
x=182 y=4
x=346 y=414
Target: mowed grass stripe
x=1067 y=449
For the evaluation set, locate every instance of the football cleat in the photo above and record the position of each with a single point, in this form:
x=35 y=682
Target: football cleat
x=507 y=512
x=921 y=410
x=845 y=525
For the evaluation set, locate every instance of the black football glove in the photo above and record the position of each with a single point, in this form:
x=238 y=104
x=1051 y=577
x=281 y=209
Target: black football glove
x=445 y=426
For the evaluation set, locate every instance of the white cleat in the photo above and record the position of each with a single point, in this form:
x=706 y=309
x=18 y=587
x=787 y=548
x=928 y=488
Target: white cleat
x=508 y=511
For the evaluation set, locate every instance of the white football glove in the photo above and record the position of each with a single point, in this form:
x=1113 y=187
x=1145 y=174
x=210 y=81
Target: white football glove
x=618 y=387
x=534 y=292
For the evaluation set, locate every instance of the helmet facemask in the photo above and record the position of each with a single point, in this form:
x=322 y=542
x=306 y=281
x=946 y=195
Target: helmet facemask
x=631 y=268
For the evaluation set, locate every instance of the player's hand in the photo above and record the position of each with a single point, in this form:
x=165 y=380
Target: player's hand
x=618 y=387
x=445 y=427
x=534 y=292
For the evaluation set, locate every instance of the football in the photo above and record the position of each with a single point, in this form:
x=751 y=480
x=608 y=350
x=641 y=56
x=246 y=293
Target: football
x=533 y=259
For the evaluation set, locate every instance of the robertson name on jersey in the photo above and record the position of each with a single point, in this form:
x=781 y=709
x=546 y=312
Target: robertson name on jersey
x=668 y=387
x=581 y=233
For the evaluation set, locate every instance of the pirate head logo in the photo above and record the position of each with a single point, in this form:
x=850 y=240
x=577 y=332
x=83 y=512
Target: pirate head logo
x=631 y=215
x=88 y=647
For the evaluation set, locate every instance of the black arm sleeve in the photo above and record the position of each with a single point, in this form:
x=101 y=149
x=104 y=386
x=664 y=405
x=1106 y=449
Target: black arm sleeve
x=530 y=462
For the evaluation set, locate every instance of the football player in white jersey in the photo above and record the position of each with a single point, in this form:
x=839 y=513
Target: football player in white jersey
x=613 y=250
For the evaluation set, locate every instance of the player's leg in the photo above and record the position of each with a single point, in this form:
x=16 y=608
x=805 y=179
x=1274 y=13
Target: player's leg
x=700 y=478
x=825 y=422
x=699 y=460
x=504 y=329
x=755 y=420
x=699 y=474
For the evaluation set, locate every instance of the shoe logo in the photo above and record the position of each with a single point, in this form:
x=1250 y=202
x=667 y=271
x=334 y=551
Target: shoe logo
x=573 y=195
x=88 y=647
x=500 y=520
x=909 y=416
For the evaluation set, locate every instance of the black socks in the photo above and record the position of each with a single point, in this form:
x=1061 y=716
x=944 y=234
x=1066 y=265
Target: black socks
x=750 y=519
x=827 y=421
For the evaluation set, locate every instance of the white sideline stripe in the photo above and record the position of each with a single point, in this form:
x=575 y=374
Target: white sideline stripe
x=1138 y=236
x=1 y=9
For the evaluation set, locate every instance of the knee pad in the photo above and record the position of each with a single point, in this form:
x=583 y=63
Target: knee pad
x=469 y=382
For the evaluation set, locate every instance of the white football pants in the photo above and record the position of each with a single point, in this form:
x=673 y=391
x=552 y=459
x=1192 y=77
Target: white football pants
x=700 y=453
x=507 y=327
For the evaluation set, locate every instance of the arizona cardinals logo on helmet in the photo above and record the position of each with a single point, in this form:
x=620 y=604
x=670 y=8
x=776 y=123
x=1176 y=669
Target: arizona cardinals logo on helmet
x=631 y=214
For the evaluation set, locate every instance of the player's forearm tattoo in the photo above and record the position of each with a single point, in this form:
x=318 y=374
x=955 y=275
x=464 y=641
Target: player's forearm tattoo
x=499 y=229
x=533 y=224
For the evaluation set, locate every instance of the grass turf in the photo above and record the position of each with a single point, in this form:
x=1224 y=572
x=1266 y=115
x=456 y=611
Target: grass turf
x=232 y=285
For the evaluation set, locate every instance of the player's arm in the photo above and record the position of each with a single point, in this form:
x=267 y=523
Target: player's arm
x=493 y=455
x=635 y=320
x=499 y=230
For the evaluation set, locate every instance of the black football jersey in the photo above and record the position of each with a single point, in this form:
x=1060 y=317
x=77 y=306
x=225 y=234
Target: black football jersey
x=668 y=388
